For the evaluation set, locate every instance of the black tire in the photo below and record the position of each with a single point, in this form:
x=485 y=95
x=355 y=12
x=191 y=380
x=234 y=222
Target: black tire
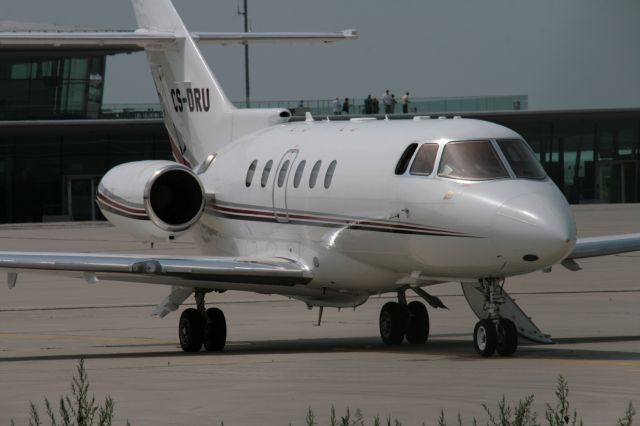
x=418 y=327
x=191 y=330
x=507 y=337
x=215 y=332
x=393 y=323
x=485 y=337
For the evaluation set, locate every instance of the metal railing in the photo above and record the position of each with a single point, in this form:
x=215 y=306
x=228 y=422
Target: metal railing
x=323 y=106
x=416 y=105
x=318 y=107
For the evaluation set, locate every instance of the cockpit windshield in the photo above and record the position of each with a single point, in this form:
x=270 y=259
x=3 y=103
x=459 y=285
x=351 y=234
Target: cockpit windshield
x=474 y=160
x=521 y=159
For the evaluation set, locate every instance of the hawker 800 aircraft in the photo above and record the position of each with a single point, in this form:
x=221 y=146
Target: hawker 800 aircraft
x=326 y=212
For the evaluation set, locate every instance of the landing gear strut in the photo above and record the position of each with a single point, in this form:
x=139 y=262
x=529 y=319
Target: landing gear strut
x=200 y=326
x=401 y=319
x=494 y=333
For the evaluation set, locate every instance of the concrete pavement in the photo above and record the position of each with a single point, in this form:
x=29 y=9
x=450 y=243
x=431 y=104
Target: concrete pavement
x=278 y=363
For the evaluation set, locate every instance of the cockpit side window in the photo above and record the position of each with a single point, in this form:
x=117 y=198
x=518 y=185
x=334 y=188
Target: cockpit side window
x=473 y=160
x=425 y=159
x=403 y=162
x=521 y=159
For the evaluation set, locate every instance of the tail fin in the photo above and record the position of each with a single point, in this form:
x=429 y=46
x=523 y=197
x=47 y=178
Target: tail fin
x=198 y=115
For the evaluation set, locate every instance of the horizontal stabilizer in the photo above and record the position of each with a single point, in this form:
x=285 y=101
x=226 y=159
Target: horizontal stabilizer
x=271 y=37
x=137 y=40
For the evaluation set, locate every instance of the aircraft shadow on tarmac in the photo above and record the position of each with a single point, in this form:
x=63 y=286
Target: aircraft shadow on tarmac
x=453 y=346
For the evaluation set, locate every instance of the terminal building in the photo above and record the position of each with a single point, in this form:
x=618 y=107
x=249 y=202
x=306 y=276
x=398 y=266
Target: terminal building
x=57 y=139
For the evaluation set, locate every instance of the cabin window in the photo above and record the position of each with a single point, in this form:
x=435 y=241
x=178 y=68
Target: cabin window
x=329 y=175
x=403 y=162
x=250 y=172
x=265 y=173
x=298 y=176
x=283 y=173
x=473 y=160
x=313 y=177
x=521 y=159
x=425 y=159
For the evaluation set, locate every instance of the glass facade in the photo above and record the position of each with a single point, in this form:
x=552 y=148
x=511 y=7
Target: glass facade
x=51 y=172
x=592 y=157
x=51 y=87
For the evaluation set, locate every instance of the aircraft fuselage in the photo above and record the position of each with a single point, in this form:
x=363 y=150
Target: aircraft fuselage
x=370 y=226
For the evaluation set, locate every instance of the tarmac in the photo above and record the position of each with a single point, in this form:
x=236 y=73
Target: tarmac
x=278 y=363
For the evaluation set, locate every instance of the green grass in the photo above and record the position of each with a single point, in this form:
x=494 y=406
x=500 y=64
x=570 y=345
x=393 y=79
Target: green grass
x=75 y=409
x=79 y=408
x=560 y=413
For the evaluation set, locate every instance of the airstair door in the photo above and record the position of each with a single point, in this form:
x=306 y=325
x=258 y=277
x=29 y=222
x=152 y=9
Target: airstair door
x=281 y=184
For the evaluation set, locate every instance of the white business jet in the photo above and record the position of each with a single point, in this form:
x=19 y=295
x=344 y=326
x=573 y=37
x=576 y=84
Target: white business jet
x=328 y=213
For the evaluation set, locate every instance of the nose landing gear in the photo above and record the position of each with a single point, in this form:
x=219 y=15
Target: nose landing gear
x=494 y=333
x=200 y=326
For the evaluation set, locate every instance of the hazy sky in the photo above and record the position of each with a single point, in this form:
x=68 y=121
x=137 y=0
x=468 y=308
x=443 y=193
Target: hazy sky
x=562 y=53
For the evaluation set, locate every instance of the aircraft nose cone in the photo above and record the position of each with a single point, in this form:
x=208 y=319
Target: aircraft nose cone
x=534 y=231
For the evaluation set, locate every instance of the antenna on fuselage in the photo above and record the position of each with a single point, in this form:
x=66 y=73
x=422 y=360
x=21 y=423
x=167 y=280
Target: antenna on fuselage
x=308 y=117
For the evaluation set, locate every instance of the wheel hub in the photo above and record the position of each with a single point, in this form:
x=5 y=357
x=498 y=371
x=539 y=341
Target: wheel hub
x=482 y=338
x=386 y=324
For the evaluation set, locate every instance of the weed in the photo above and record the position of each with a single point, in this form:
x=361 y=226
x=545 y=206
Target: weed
x=77 y=409
x=522 y=414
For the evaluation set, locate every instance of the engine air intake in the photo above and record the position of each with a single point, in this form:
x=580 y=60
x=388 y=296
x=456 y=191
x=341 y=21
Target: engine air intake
x=176 y=199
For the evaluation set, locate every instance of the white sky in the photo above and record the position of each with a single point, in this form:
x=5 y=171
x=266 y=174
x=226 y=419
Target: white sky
x=562 y=53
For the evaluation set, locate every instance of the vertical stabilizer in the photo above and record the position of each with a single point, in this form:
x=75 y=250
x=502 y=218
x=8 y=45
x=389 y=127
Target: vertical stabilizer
x=197 y=113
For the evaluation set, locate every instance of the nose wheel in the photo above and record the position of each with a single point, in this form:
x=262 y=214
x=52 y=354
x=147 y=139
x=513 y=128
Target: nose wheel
x=494 y=333
x=490 y=336
x=485 y=338
x=507 y=337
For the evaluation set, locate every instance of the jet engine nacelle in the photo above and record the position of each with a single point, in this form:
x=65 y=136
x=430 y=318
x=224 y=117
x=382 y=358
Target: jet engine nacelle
x=154 y=200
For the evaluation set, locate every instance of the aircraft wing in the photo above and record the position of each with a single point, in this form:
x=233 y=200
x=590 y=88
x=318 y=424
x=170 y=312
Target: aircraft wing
x=194 y=271
x=603 y=246
x=183 y=274
x=144 y=38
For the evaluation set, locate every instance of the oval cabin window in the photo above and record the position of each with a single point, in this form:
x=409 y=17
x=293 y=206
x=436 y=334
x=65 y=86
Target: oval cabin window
x=251 y=172
x=283 y=173
x=298 y=176
x=265 y=173
x=329 y=175
x=313 y=177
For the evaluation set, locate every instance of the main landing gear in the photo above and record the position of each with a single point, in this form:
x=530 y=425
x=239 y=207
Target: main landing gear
x=200 y=326
x=494 y=333
x=401 y=319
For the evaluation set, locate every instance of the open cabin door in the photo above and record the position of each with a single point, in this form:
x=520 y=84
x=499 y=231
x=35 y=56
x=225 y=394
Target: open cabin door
x=280 y=185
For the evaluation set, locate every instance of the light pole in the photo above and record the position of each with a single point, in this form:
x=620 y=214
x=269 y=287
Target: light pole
x=246 y=55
